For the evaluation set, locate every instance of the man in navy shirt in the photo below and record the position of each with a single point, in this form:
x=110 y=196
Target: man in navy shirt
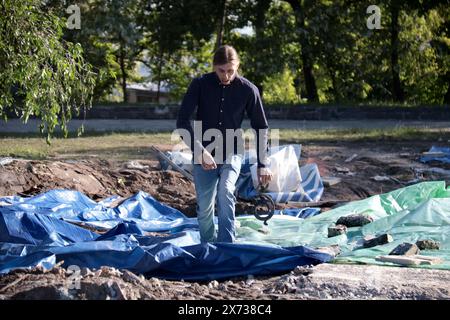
x=221 y=99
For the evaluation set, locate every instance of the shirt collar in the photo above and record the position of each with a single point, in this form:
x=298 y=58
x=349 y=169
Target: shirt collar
x=217 y=80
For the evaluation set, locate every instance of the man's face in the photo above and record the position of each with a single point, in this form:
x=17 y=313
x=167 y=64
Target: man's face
x=226 y=72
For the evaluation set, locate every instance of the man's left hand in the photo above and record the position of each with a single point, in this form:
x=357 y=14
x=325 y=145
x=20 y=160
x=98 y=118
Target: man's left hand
x=264 y=176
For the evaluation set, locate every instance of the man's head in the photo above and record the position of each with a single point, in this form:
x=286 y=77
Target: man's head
x=226 y=63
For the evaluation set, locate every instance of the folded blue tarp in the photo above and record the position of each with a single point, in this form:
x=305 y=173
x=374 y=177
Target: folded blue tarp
x=444 y=157
x=41 y=231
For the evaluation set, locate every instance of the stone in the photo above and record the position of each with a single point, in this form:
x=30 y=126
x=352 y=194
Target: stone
x=350 y=159
x=136 y=165
x=336 y=230
x=428 y=244
x=342 y=169
x=129 y=276
x=354 y=220
x=115 y=291
x=85 y=272
x=330 y=181
x=109 y=272
x=333 y=250
x=302 y=270
x=372 y=241
x=213 y=284
x=405 y=249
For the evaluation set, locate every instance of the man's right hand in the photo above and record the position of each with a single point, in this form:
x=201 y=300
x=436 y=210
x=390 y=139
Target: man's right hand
x=207 y=160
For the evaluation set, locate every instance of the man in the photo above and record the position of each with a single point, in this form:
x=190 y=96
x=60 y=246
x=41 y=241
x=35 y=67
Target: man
x=222 y=97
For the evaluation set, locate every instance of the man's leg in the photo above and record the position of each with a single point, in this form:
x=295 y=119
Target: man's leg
x=226 y=201
x=205 y=189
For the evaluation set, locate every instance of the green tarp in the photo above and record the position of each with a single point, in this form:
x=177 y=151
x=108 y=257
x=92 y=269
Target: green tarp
x=417 y=212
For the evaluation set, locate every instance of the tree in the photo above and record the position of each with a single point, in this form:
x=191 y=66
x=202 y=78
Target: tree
x=301 y=8
x=271 y=47
x=42 y=75
x=119 y=22
x=395 y=8
x=222 y=20
x=280 y=88
x=173 y=27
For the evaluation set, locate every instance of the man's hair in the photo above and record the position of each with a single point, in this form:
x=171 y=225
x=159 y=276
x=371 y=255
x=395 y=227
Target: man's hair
x=225 y=54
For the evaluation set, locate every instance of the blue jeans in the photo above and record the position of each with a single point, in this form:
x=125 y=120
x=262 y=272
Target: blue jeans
x=217 y=185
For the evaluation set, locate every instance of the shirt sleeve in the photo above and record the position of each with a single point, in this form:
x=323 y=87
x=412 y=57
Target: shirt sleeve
x=258 y=121
x=188 y=107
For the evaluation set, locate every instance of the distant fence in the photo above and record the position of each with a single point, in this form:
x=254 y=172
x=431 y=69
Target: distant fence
x=302 y=112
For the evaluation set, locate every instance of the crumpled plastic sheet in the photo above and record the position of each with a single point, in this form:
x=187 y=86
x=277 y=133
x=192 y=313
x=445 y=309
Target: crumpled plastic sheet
x=43 y=230
x=444 y=158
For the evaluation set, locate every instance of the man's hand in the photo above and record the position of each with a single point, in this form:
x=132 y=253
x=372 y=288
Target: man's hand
x=264 y=176
x=207 y=160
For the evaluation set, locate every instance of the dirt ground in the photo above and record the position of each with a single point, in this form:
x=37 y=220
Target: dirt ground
x=365 y=169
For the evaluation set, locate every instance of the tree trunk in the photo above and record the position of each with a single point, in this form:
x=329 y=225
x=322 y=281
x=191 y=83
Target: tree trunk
x=310 y=81
x=395 y=68
x=222 y=20
x=259 y=23
x=337 y=96
x=124 y=74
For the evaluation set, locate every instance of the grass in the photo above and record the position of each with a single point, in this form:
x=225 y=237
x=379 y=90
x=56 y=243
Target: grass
x=353 y=135
x=124 y=146
x=120 y=146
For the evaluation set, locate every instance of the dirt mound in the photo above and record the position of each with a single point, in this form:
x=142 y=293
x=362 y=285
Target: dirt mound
x=98 y=179
x=325 y=281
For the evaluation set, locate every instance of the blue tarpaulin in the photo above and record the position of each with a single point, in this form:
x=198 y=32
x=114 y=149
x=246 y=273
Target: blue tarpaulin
x=43 y=230
x=443 y=157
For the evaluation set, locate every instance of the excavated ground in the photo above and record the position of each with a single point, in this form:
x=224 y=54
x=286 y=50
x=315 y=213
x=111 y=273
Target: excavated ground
x=376 y=168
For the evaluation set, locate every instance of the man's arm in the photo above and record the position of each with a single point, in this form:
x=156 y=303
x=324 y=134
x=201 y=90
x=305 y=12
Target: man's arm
x=258 y=121
x=188 y=106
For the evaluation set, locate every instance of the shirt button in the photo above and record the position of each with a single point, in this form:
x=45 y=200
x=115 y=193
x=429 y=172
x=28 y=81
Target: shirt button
x=221 y=110
x=220 y=123
x=222 y=99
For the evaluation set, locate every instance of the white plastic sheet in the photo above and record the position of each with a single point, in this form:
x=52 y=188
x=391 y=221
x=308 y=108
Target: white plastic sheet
x=284 y=167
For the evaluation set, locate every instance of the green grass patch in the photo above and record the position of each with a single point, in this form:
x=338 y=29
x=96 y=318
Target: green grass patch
x=349 y=135
x=120 y=146
x=124 y=146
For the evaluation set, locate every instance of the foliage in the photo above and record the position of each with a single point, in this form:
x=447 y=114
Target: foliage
x=280 y=88
x=294 y=47
x=42 y=75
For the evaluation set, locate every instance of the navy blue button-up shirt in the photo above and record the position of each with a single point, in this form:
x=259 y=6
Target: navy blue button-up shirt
x=223 y=107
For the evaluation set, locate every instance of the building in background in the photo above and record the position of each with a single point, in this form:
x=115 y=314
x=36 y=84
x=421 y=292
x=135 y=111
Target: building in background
x=147 y=92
